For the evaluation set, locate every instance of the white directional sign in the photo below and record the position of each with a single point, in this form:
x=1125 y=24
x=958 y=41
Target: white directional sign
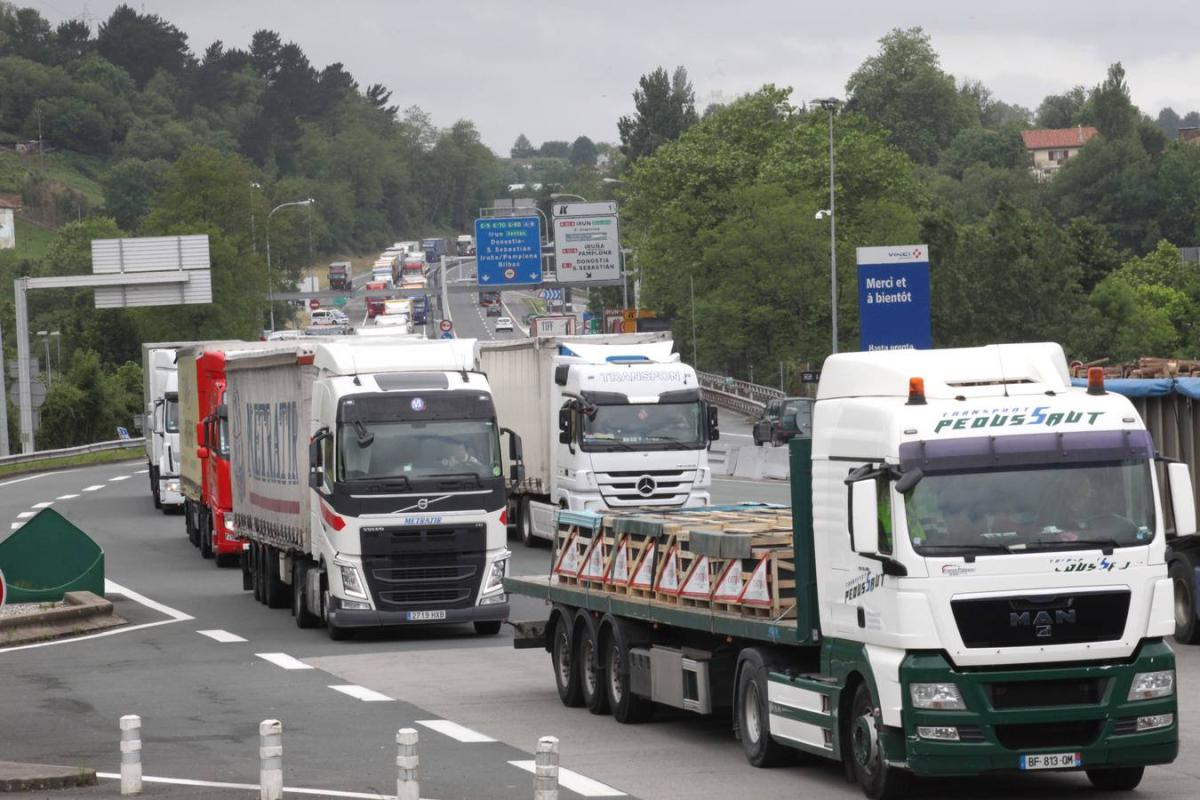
x=185 y=259
x=587 y=247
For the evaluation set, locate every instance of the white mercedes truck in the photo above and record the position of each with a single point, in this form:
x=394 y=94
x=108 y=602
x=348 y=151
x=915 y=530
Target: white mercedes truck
x=160 y=388
x=611 y=421
x=367 y=483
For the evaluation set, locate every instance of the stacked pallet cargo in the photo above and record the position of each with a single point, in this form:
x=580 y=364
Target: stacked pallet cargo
x=733 y=560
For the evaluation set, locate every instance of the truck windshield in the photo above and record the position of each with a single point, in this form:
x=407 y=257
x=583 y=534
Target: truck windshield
x=416 y=450
x=171 y=416
x=1061 y=507
x=644 y=426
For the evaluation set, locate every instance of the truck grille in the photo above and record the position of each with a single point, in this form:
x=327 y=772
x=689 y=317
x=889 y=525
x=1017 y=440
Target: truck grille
x=1039 y=694
x=1075 y=733
x=1040 y=620
x=645 y=488
x=430 y=567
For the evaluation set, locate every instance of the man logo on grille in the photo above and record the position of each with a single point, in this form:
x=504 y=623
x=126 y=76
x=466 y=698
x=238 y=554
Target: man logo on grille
x=646 y=486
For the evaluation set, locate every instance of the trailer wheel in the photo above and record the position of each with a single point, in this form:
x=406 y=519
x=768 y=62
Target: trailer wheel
x=247 y=575
x=525 y=524
x=754 y=727
x=206 y=534
x=256 y=571
x=189 y=524
x=275 y=593
x=627 y=708
x=304 y=617
x=562 y=658
x=591 y=670
x=1183 y=572
x=879 y=780
x=1118 y=779
x=154 y=487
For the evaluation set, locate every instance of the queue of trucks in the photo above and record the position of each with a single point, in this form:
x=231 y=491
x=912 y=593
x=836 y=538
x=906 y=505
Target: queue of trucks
x=977 y=555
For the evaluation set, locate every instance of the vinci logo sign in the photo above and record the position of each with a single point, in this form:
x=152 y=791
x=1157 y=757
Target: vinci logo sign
x=893 y=297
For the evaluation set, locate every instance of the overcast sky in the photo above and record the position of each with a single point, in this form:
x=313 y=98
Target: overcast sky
x=555 y=70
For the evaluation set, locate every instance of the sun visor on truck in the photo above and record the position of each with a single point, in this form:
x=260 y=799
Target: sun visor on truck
x=605 y=398
x=680 y=396
x=171 y=397
x=417 y=406
x=1038 y=449
x=399 y=381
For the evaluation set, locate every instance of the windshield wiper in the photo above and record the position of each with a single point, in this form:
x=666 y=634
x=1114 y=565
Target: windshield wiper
x=364 y=436
x=611 y=445
x=475 y=475
x=1106 y=545
x=381 y=482
x=969 y=551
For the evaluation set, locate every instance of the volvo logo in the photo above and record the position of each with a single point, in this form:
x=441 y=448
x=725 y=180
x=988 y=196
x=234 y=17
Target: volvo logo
x=646 y=486
x=423 y=503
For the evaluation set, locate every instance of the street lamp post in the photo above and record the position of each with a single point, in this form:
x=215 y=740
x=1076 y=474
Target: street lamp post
x=253 y=234
x=831 y=104
x=270 y=282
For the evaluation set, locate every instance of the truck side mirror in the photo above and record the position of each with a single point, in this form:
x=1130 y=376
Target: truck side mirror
x=201 y=453
x=314 y=463
x=515 y=450
x=202 y=433
x=1183 y=502
x=864 y=518
x=564 y=426
x=223 y=411
x=714 y=428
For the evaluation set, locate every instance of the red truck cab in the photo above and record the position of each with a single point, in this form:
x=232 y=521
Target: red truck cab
x=215 y=518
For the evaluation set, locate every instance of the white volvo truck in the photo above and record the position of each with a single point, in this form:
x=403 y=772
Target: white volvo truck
x=160 y=388
x=613 y=421
x=367 y=482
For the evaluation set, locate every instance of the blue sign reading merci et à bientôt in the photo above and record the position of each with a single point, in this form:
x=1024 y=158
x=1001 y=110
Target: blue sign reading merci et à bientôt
x=508 y=251
x=893 y=297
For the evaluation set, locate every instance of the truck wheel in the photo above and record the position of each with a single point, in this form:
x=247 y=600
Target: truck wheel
x=1182 y=573
x=591 y=671
x=627 y=708
x=878 y=780
x=275 y=593
x=188 y=515
x=525 y=523
x=304 y=617
x=247 y=575
x=562 y=658
x=754 y=727
x=1118 y=779
x=489 y=628
x=206 y=535
x=335 y=633
x=154 y=487
x=256 y=571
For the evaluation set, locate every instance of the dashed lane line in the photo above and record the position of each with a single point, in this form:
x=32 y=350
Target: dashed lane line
x=45 y=504
x=26 y=514
x=569 y=779
x=250 y=787
x=363 y=693
x=141 y=472
x=455 y=731
x=283 y=660
x=224 y=637
x=119 y=478
x=95 y=488
x=67 y=497
x=29 y=478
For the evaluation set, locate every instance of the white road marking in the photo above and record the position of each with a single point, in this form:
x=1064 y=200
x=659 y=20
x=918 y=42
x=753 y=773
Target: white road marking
x=16 y=525
x=28 y=478
x=221 y=636
x=67 y=496
x=363 y=693
x=580 y=784
x=95 y=488
x=454 y=730
x=119 y=478
x=141 y=472
x=250 y=787
x=26 y=514
x=283 y=660
x=112 y=587
x=46 y=504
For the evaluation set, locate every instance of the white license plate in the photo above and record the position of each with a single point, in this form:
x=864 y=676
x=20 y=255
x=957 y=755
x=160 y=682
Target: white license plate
x=1052 y=761
x=421 y=616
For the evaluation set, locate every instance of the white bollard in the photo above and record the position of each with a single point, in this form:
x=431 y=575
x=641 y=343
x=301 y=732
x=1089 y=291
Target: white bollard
x=131 y=754
x=408 y=787
x=545 y=769
x=270 y=755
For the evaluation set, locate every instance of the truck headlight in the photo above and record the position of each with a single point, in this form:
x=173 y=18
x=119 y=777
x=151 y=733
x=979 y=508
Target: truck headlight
x=939 y=696
x=173 y=486
x=229 y=526
x=351 y=583
x=495 y=578
x=1149 y=685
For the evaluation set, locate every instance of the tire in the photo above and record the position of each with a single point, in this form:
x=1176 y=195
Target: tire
x=304 y=617
x=1117 y=779
x=627 y=708
x=591 y=670
x=227 y=560
x=189 y=524
x=256 y=577
x=247 y=574
x=1182 y=573
x=562 y=658
x=525 y=525
x=206 y=534
x=754 y=728
x=275 y=591
x=154 y=488
x=336 y=634
x=878 y=780
x=489 y=628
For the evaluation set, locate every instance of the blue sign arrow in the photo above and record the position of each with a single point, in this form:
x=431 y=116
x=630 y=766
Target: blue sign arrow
x=508 y=250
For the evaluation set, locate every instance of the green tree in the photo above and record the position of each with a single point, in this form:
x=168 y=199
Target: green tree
x=1111 y=109
x=1094 y=251
x=583 y=152
x=664 y=107
x=903 y=88
x=1111 y=181
x=1003 y=149
x=555 y=149
x=24 y=32
x=1062 y=110
x=129 y=186
x=522 y=148
x=142 y=44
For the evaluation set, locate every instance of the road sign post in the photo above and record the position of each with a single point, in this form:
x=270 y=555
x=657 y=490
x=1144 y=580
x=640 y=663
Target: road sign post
x=893 y=298
x=508 y=251
x=445 y=326
x=587 y=246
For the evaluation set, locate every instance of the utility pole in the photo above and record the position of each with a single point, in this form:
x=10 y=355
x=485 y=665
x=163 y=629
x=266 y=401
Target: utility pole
x=3 y=401
x=831 y=104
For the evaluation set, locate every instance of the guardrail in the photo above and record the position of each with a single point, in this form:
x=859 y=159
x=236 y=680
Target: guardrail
x=751 y=391
x=96 y=447
x=733 y=402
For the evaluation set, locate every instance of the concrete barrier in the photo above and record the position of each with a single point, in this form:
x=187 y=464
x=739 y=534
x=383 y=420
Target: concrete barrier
x=749 y=463
x=776 y=463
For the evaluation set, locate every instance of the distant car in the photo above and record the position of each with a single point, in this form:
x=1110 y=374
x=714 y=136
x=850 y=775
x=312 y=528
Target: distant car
x=783 y=419
x=494 y=311
x=375 y=286
x=504 y=324
x=278 y=336
x=322 y=316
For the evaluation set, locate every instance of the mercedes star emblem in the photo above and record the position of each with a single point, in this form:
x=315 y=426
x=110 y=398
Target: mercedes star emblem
x=646 y=486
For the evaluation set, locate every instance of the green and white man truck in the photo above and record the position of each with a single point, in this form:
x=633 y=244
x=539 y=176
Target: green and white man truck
x=980 y=585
